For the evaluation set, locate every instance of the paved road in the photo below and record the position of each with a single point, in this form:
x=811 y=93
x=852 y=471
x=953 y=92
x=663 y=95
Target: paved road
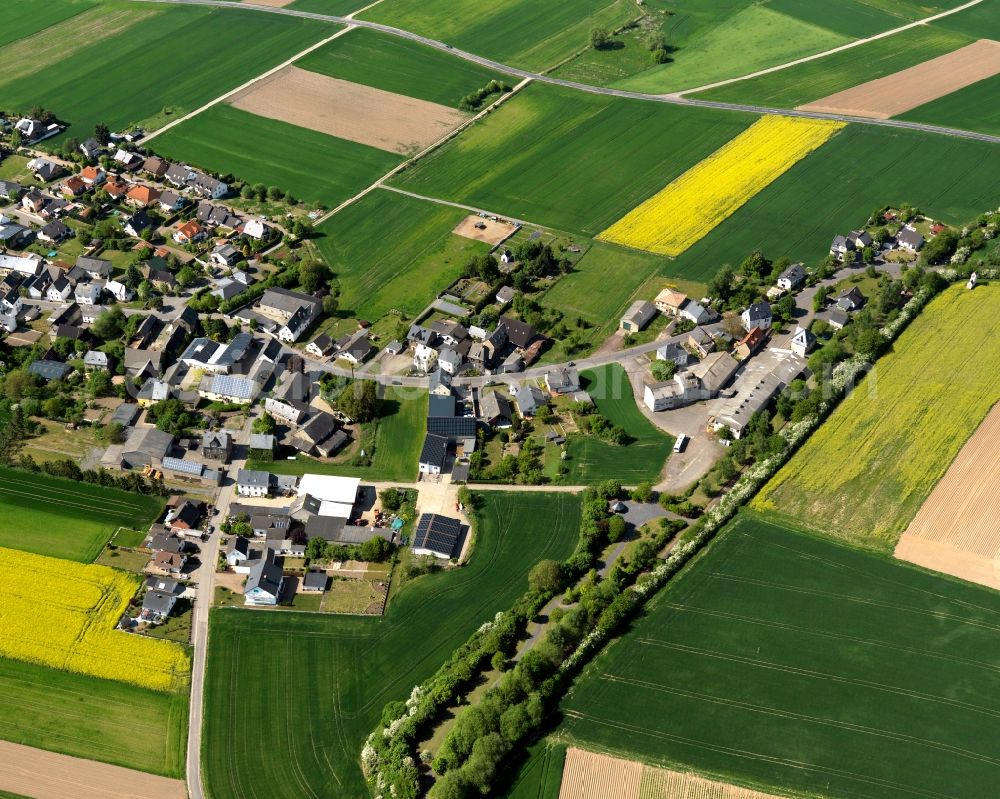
x=670 y=99
x=199 y=627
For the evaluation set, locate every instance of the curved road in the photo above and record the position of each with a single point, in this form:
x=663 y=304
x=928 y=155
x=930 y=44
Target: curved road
x=669 y=99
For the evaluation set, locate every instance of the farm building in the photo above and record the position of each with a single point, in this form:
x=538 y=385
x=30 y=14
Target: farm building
x=639 y=314
x=314 y=582
x=437 y=535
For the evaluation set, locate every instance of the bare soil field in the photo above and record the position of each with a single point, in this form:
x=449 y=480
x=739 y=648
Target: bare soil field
x=591 y=776
x=477 y=228
x=46 y=775
x=905 y=90
x=957 y=530
x=392 y=122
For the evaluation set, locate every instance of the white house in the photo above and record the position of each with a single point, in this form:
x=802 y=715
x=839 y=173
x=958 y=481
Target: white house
x=88 y=293
x=802 y=342
x=449 y=361
x=256 y=229
x=792 y=278
x=264 y=581
x=58 y=290
x=757 y=315
x=424 y=357
x=251 y=483
x=120 y=291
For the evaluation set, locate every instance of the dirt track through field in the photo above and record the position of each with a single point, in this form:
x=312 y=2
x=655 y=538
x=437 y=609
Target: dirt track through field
x=587 y=775
x=957 y=530
x=353 y=111
x=902 y=91
x=46 y=775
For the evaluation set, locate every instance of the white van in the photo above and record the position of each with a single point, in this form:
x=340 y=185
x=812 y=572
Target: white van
x=680 y=443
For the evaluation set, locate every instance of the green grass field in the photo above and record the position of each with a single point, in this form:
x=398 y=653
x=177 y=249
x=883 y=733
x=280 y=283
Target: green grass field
x=863 y=167
x=65 y=519
x=91 y=718
x=399 y=65
x=521 y=33
x=311 y=688
x=23 y=18
x=816 y=79
x=591 y=460
x=338 y=8
x=568 y=160
x=971 y=108
x=755 y=38
x=540 y=775
x=856 y=18
x=793 y=663
x=865 y=473
x=979 y=22
x=393 y=252
x=242 y=44
x=397 y=443
x=312 y=166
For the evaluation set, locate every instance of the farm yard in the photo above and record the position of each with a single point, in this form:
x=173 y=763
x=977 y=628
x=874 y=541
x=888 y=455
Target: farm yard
x=953 y=180
x=391 y=252
x=864 y=474
x=66 y=519
x=712 y=190
x=243 y=44
x=312 y=166
x=97 y=719
x=780 y=659
x=400 y=66
x=955 y=530
x=310 y=743
x=42 y=625
x=536 y=158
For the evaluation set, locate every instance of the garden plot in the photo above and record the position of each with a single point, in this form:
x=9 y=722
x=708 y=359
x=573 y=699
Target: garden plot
x=385 y=120
x=902 y=91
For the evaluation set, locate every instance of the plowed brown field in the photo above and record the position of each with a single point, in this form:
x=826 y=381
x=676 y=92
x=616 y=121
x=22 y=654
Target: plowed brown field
x=957 y=529
x=591 y=776
x=902 y=91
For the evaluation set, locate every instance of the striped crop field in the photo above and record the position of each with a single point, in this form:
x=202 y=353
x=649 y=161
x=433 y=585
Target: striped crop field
x=695 y=203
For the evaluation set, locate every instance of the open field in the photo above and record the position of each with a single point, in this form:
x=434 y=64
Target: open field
x=242 y=43
x=867 y=470
x=972 y=108
x=92 y=718
x=535 y=157
x=336 y=7
x=950 y=179
x=588 y=775
x=393 y=252
x=956 y=530
x=258 y=663
x=63 y=614
x=25 y=18
x=397 y=443
x=754 y=38
x=591 y=460
x=699 y=200
x=903 y=91
x=481 y=229
x=521 y=33
x=312 y=166
x=539 y=775
x=806 y=82
x=978 y=22
x=781 y=660
x=63 y=518
x=52 y=776
x=399 y=65
x=353 y=111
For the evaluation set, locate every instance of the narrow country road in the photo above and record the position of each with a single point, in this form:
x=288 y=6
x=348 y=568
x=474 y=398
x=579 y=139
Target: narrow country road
x=670 y=99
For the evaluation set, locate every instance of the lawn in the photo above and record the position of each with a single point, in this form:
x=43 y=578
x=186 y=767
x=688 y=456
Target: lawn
x=400 y=436
x=796 y=664
x=755 y=38
x=15 y=167
x=23 y=18
x=833 y=190
x=864 y=474
x=312 y=166
x=242 y=44
x=311 y=687
x=591 y=460
x=393 y=252
x=399 y=65
x=63 y=518
x=570 y=160
x=95 y=719
x=824 y=76
x=971 y=108
x=522 y=33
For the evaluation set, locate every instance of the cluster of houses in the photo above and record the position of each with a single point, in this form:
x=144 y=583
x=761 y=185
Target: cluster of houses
x=847 y=249
x=311 y=430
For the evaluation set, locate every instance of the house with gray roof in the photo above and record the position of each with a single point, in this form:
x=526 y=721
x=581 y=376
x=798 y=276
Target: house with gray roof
x=50 y=370
x=639 y=314
x=252 y=483
x=529 y=399
x=229 y=388
x=264 y=582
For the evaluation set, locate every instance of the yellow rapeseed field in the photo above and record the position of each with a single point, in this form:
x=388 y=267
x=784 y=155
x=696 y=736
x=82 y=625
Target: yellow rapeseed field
x=675 y=218
x=63 y=614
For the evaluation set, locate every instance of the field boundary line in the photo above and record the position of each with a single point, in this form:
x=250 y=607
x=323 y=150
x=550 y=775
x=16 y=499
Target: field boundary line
x=246 y=85
x=470 y=208
x=806 y=59
x=423 y=153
